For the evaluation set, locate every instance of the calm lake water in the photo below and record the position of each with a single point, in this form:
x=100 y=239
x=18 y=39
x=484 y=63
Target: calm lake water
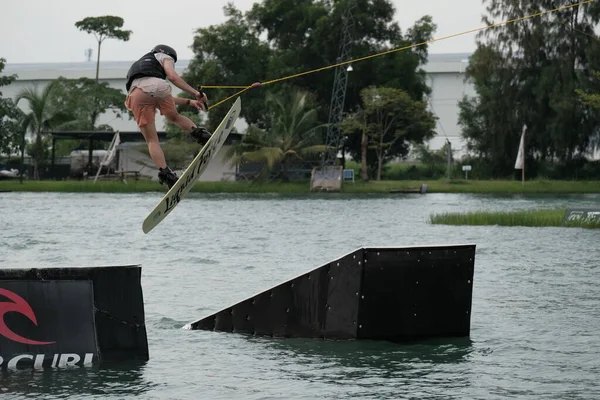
x=536 y=298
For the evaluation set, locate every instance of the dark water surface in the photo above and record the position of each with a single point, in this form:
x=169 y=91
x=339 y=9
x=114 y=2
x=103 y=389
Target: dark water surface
x=536 y=299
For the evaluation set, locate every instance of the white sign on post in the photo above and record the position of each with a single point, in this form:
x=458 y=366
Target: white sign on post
x=466 y=168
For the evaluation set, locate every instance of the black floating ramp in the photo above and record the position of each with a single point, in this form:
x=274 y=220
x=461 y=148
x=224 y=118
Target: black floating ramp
x=385 y=293
x=61 y=317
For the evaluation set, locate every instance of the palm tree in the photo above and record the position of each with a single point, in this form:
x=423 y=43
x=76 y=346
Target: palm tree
x=291 y=135
x=40 y=120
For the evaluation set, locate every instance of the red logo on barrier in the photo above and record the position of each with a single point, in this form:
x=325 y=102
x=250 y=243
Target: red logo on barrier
x=19 y=305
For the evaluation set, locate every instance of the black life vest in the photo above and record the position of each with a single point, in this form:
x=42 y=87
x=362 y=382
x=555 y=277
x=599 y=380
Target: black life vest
x=147 y=65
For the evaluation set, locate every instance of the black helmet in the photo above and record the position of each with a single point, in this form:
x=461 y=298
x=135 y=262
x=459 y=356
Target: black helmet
x=168 y=50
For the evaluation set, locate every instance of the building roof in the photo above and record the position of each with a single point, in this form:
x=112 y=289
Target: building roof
x=437 y=63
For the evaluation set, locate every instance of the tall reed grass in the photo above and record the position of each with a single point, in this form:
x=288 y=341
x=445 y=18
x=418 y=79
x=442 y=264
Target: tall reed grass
x=532 y=218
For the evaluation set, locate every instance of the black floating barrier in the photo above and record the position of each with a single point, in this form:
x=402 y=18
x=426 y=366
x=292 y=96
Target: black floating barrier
x=61 y=317
x=388 y=293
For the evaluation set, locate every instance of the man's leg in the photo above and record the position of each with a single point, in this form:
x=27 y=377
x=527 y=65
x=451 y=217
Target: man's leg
x=167 y=108
x=181 y=121
x=144 y=109
x=151 y=136
x=165 y=174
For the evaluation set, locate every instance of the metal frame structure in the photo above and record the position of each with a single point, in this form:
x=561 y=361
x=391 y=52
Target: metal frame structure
x=338 y=94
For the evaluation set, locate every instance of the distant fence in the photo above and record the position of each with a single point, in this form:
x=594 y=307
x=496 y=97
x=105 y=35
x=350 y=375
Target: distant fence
x=296 y=171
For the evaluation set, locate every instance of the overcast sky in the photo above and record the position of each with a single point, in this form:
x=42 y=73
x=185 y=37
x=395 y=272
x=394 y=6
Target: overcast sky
x=36 y=31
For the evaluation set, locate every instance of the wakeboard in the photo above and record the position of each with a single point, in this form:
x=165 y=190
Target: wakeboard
x=189 y=177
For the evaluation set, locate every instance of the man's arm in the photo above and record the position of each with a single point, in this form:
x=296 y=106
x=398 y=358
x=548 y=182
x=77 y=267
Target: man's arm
x=194 y=103
x=174 y=78
x=180 y=100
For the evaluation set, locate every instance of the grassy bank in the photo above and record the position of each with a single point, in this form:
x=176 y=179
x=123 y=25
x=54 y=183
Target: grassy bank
x=146 y=186
x=534 y=218
x=437 y=186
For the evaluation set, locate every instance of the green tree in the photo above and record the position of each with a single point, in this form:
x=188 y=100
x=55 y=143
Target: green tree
x=307 y=37
x=104 y=27
x=279 y=38
x=490 y=121
x=226 y=54
x=10 y=137
x=292 y=135
x=435 y=162
x=389 y=122
x=397 y=120
x=591 y=98
x=87 y=99
x=528 y=72
x=41 y=119
x=355 y=124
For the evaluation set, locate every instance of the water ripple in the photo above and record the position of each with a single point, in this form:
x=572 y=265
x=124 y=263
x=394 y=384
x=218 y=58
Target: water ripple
x=535 y=316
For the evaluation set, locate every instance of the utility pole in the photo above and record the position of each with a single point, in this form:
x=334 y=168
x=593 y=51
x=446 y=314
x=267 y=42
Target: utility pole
x=338 y=94
x=449 y=159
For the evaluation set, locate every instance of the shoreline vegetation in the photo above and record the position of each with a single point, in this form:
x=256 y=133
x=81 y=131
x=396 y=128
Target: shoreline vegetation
x=528 y=218
x=371 y=187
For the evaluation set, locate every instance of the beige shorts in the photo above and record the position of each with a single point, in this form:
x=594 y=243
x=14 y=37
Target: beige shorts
x=147 y=95
x=155 y=87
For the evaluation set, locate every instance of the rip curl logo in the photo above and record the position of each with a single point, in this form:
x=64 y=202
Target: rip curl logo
x=18 y=305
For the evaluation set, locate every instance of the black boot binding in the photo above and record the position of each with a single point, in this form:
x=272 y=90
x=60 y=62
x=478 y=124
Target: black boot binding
x=200 y=135
x=165 y=175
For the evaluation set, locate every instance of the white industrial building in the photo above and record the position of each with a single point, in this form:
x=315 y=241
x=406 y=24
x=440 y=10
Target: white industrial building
x=445 y=73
